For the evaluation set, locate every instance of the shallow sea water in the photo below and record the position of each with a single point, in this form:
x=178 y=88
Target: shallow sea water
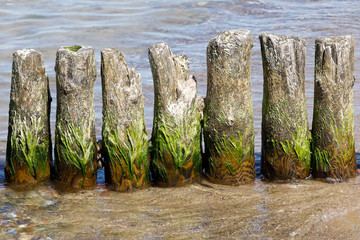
x=303 y=209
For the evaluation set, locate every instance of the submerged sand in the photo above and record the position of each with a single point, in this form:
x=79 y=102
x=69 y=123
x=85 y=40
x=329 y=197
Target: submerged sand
x=305 y=209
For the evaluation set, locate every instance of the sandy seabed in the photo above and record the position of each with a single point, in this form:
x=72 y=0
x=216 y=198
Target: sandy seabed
x=305 y=209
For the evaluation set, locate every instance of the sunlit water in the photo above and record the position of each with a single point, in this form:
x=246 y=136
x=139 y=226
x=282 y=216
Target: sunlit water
x=305 y=209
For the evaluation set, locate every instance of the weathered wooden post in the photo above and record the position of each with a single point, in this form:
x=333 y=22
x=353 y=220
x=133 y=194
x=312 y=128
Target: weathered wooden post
x=228 y=114
x=176 y=152
x=333 y=145
x=285 y=146
x=28 y=152
x=75 y=141
x=125 y=142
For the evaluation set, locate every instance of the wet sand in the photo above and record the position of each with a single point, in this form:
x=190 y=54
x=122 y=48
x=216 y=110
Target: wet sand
x=304 y=209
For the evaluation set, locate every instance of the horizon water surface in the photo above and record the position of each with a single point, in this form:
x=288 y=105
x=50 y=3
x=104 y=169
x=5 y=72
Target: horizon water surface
x=302 y=209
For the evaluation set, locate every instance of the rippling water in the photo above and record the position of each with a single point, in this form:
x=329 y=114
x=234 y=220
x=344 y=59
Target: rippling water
x=306 y=209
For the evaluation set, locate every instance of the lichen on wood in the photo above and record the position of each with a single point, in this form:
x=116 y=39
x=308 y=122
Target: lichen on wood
x=228 y=114
x=125 y=142
x=333 y=144
x=176 y=144
x=28 y=153
x=285 y=146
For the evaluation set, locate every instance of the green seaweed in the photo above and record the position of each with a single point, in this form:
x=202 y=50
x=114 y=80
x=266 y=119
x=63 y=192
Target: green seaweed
x=229 y=166
x=180 y=139
x=321 y=159
x=345 y=133
x=133 y=150
x=27 y=145
x=233 y=148
x=299 y=142
x=73 y=48
x=286 y=147
x=342 y=136
x=76 y=147
x=159 y=169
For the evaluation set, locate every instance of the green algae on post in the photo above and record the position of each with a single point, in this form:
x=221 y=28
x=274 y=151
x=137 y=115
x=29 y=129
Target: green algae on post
x=176 y=135
x=333 y=144
x=75 y=142
x=126 y=161
x=125 y=142
x=28 y=152
x=171 y=136
x=75 y=147
x=228 y=122
x=27 y=145
x=74 y=48
x=285 y=149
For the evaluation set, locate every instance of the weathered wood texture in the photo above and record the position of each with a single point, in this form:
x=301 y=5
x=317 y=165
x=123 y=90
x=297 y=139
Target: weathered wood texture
x=228 y=115
x=285 y=146
x=176 y=151
x=75 y=142
x=28 y=152
x=125 y=143
x=333 y=148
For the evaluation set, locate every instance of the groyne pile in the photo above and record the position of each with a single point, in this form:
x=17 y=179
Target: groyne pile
x=182 y=120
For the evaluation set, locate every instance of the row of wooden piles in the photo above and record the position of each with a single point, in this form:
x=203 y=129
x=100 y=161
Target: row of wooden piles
x=174 y=155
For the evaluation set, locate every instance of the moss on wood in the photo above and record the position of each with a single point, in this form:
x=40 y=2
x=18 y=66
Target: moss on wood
x=73 y=48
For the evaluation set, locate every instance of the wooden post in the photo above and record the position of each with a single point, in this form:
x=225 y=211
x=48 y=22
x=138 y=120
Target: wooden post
x=176 y=152
x=75 y=141
x=228 y=115
x=285 y=146
x=28 y=152
x=125 y=143
x=333 y=145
